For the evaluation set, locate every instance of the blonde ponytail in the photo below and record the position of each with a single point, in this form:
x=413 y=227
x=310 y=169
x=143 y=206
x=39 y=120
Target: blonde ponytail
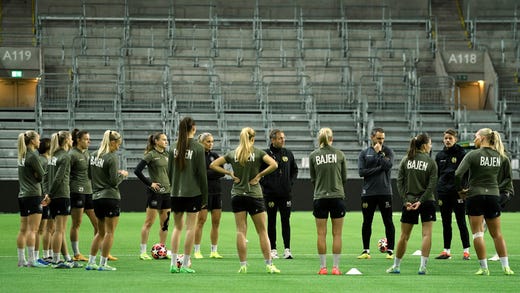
x=324 y=137
x=245 y=146
x=499 y=146
x=494 y=140
x=104 y=147
x=24 y=139
x=57 y=141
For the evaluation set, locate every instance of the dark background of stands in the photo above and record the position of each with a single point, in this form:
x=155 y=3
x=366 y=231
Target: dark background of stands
x=133 y=197
x=294 y=65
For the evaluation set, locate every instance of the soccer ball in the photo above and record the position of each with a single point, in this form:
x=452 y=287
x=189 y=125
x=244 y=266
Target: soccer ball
x=159 y=251
x=382 y=244
x=180 y=259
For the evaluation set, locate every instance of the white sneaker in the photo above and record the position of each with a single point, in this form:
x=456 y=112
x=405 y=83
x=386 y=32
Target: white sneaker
x=287 y=253
x=274 y=254
x=494 y=258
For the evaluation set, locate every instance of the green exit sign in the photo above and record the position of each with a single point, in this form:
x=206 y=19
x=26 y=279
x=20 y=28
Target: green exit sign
x=16 y=73
x=461 y=77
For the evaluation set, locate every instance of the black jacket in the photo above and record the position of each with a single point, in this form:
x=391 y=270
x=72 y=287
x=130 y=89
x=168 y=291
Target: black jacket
x=213 y=176
x=447 y=162
x=280 y=182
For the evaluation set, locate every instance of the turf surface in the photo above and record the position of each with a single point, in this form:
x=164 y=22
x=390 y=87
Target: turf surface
x=298 y=275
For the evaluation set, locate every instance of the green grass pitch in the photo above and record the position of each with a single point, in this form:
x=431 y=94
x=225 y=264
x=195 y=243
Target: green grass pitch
x=298 y=275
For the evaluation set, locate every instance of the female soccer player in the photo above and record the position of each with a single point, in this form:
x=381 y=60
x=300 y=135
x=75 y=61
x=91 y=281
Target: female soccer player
x=482 y=197
x=158 y=191
x=328 y=171
x=246 y=194
x=46 y=224
x=416 y=182
x=106 y=177
x=58 y=188
x=80 y=189
x=30 y=175
x=214 y=201
x=187 y=173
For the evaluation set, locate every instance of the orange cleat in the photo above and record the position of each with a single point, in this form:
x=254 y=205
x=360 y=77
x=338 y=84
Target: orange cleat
x=323 y=271
x=336 y=271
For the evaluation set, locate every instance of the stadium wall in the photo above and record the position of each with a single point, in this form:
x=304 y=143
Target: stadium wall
x=134 y=198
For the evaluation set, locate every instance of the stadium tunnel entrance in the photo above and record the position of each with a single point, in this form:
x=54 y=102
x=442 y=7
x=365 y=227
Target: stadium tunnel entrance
x=471 y=94
x=18 y=92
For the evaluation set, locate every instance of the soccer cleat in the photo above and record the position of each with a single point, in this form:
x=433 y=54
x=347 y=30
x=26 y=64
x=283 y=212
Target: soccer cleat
x=242 y=270
x=389 y=255
x=465 y=256
x=336 y=271
x=508 y=271
x=494 y=258
x=364 y=255
x=271 y=269
x=22 y=264
x=186 y=270
x=422 y=271
x=198 y=255
x=144 y=256
x=43 y=262
x=174 y=269
x=48 y=259
x=74 y=265
x=393 y=270
x=444 y=255
x=91 y=267
x=482 y=272
x=323 y=271
x=37 y=264
x=112 y=258
x=274 y=254
x=106 y=268
x=287 y=253
x=79 y=257
x=62 y=265
x=215 y=254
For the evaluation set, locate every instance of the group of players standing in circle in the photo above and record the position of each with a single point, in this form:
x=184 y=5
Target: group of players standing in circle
x=54 y=183
x=61 y=178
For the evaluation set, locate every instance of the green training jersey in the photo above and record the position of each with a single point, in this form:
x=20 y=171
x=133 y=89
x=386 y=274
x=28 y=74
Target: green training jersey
x=104 y=175
x=417 y=178
x=58 y=175
x=192 y=181
x=505 y=177
x=79 y=164
x=328 y=171
x=484 y=165
x=157 y=163
x=30 y=175
x=44 y=161
x=246 y=173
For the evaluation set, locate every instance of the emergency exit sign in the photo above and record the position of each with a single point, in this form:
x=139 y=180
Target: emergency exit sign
x=461 y=77
x=16 y=73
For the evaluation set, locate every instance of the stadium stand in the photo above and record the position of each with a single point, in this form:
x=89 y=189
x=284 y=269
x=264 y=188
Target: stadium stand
x=138 y=67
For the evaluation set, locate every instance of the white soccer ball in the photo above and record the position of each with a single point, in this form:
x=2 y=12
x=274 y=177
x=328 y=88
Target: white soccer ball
x=159 y=251
x=382 y=245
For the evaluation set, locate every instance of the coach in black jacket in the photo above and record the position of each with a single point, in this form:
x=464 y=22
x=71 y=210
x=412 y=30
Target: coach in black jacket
x=277 y=191
x=448 y=198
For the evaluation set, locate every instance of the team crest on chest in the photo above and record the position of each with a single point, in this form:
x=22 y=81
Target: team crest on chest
x=454 y=160
x=285 y=159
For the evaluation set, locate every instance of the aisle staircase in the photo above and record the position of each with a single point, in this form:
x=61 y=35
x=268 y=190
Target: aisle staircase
x=450 y=26
x=16 y=25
